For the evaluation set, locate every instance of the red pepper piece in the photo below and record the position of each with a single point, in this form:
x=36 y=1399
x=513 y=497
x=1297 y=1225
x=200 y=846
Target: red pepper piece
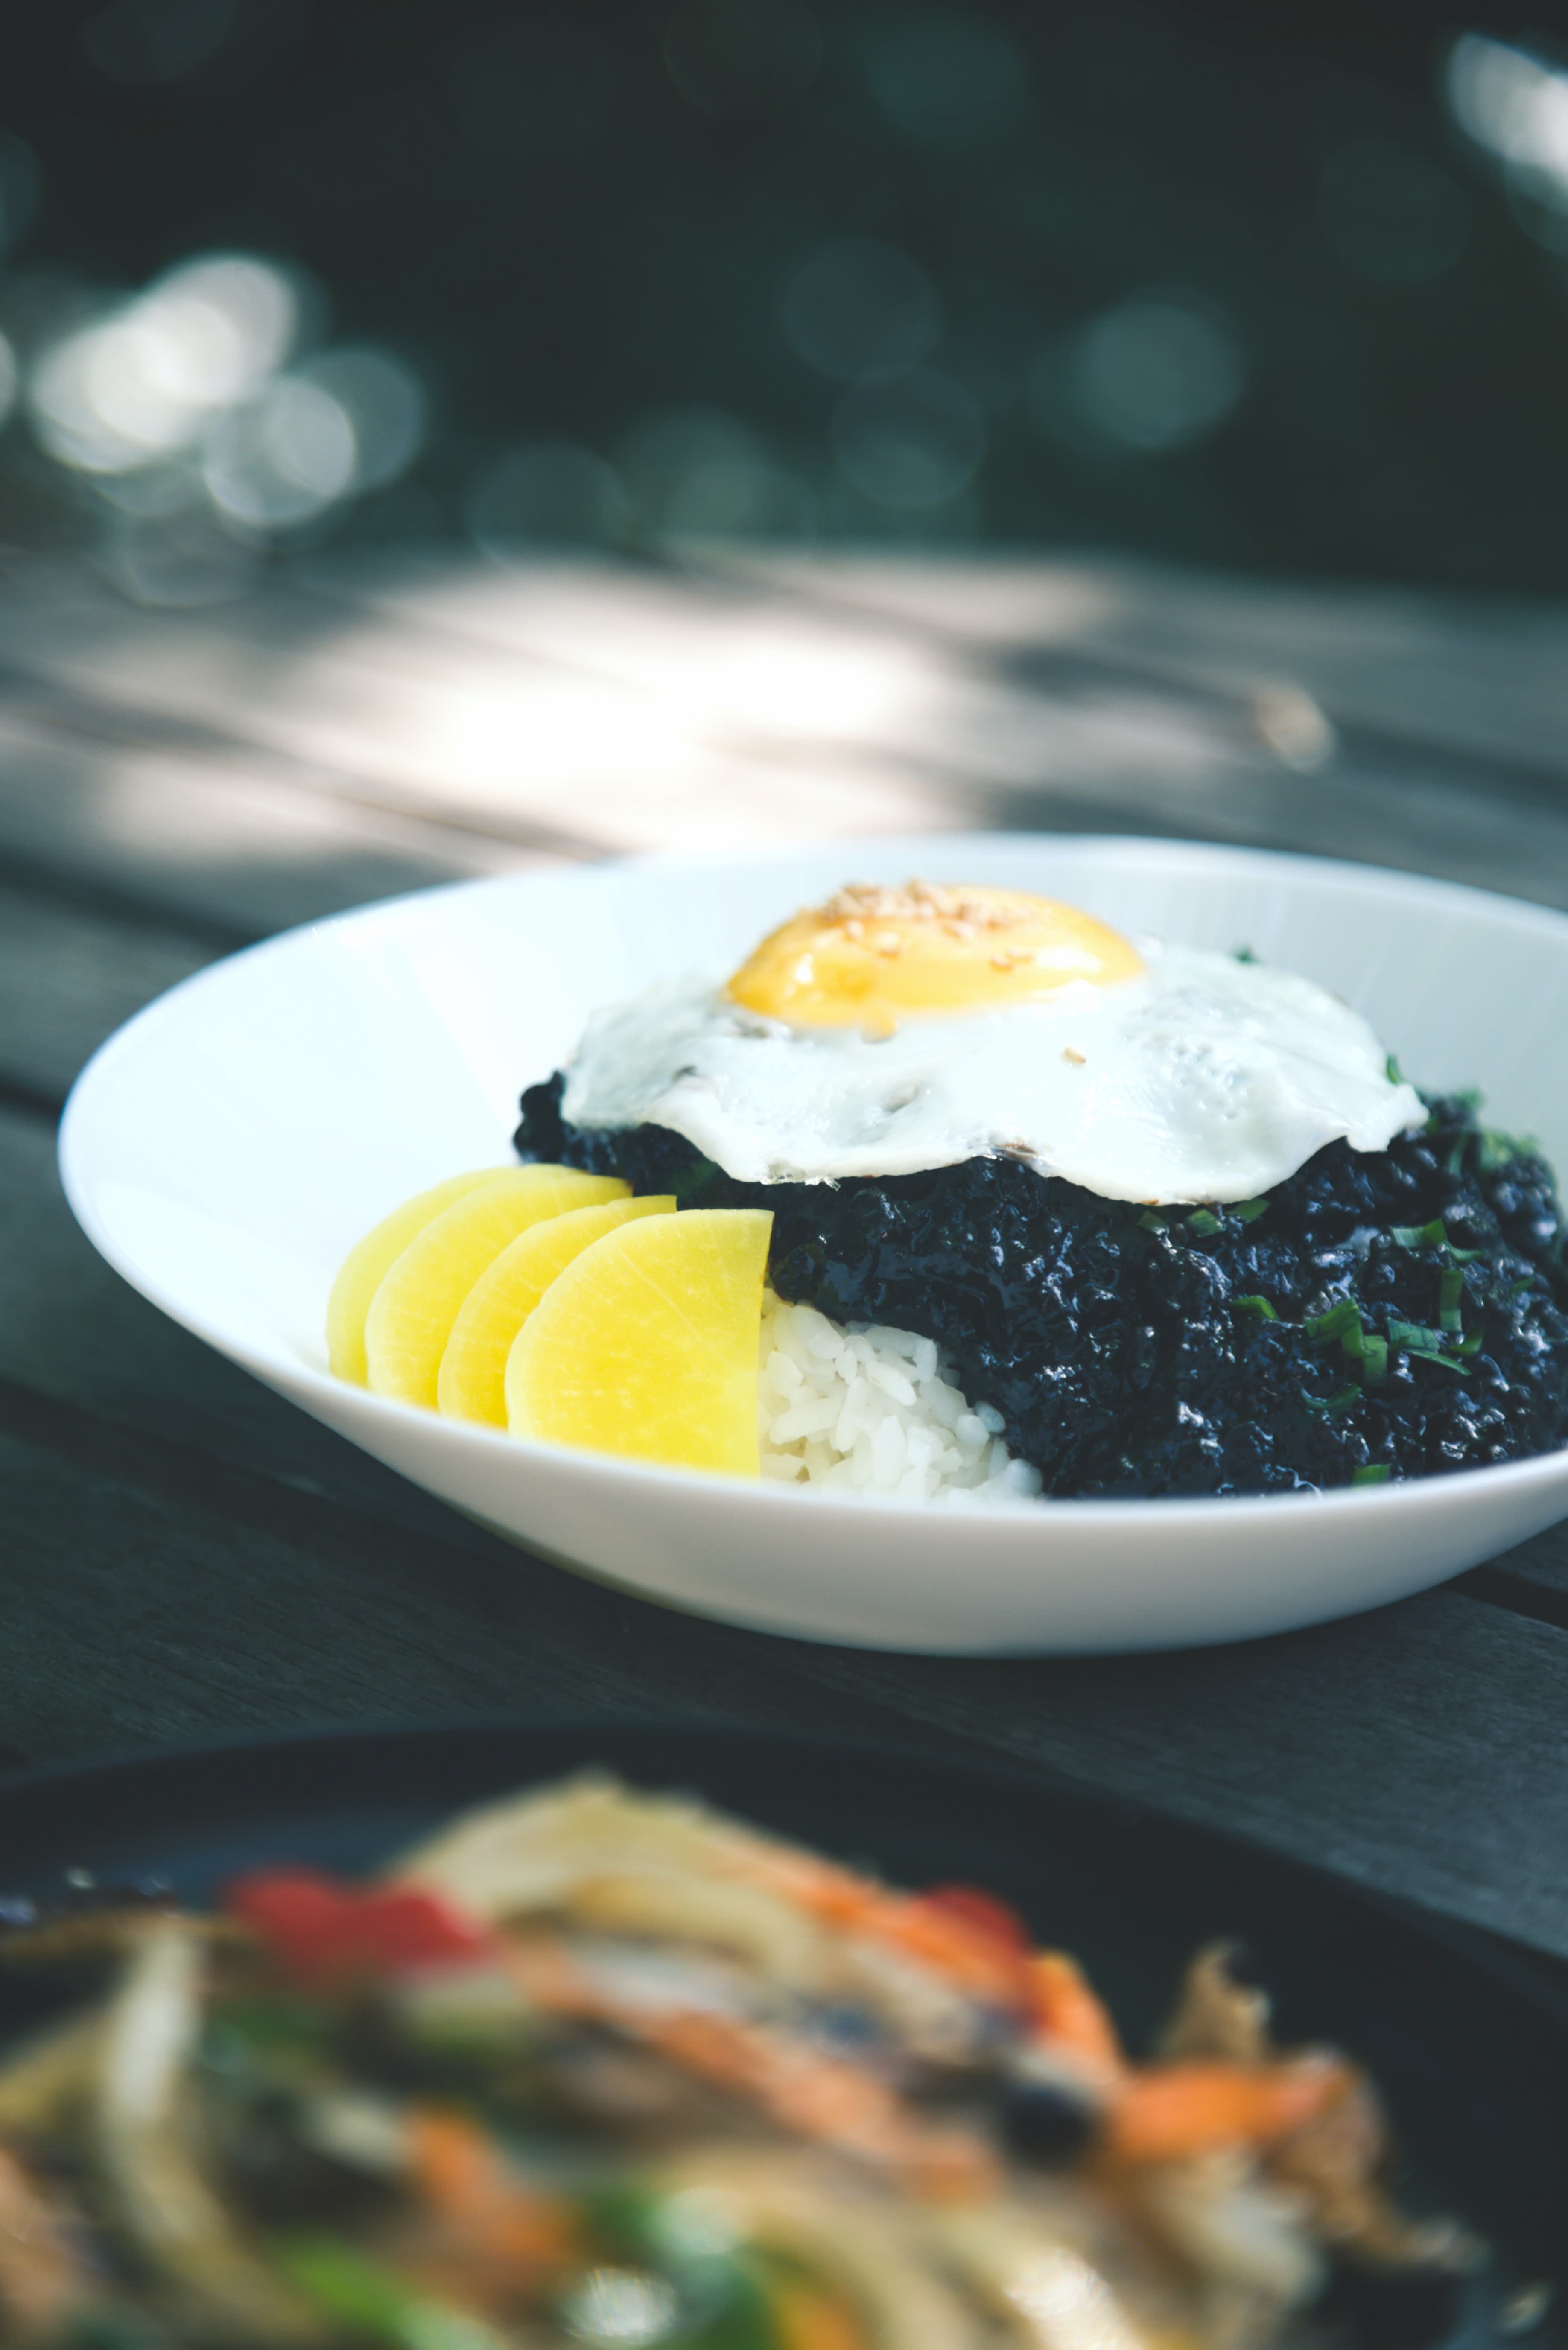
x=318 y=1927
x=983 y=1912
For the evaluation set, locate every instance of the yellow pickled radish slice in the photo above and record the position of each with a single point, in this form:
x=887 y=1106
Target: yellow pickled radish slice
x=413 y=1312
x=368 y=1263
x=647 y=1344
x=471 y=1384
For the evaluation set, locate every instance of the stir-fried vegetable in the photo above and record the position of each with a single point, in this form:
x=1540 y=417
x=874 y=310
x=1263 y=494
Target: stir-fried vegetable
x=604 y=2069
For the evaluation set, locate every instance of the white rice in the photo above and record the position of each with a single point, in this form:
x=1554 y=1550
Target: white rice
x=874 y=1411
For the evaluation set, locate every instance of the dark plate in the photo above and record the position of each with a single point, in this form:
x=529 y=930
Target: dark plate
x=1467 y=2036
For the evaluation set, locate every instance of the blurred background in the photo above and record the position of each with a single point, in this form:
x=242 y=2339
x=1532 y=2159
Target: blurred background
x=1280 y=291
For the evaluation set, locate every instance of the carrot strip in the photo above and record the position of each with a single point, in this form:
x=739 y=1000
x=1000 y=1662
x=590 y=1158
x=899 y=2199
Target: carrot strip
x=1173 y=2111
x=462 y=2174
x=808 y=2320
x=1068 y=2016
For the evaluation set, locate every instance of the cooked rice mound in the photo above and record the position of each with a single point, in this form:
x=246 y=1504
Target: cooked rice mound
x=876 y=1411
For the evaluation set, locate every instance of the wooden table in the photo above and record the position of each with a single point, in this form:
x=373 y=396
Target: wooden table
x=185 y=1556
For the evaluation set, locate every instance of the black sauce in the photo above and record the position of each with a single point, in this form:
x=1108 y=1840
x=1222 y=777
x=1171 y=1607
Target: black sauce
x=1111 y=1338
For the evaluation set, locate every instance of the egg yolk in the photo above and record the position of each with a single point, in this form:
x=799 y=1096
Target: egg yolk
x=870 y=957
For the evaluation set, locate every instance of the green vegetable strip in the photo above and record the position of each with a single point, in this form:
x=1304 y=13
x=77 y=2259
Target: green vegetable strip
x=1450 y=1290
x=1258 y=1305
x=1342 y=1321
x=1373 y=1472
x=1201 y=1222
x=1249 y=1209
x=1430 y=1235
x=1340 y=1402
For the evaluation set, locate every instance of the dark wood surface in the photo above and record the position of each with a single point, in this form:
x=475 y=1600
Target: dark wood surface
x=184 y=1555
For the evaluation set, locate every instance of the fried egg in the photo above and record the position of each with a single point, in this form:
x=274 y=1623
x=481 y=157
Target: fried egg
x=895 y=1030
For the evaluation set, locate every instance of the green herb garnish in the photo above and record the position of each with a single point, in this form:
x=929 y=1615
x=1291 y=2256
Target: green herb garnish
x=1430 y=1235
x=1258 y=1305
x=1422 y=1346
x=1372 y=1472
x=1340 y=1402
x=1450 y=1291
x=1201 y=1222
x=1152 y=1221
x=1249 y=1209
x=1341 y=1321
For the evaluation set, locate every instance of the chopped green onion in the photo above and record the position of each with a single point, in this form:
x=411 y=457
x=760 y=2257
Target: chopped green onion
x=1450 y=1291
x=1455 y=1161
x=1472 y=1344
x=1340 y=1402
x=1201 y=1222
x=1152 y=1221
x=1374 y=1359
x=1373 y=1472
x=1466 y=1256
x=1430 y=1235
x=1421 y=1346
x=1249 y=1209
x=1521 y=1289
x=1341 y=1321
x=1258 y=1305
x=1392 y=1071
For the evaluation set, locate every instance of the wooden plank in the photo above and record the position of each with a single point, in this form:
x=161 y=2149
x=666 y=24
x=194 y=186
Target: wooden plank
x=68 y=976
x=127 y=1618
x=1492 y=679
x=184 y=839
x=412 y=720
x=884 y=733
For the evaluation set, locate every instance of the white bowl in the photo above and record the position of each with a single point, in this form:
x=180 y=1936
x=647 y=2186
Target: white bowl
x=228 y=1145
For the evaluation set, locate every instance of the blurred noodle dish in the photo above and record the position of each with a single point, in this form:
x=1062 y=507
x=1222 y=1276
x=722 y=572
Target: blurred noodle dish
x=600 y=2066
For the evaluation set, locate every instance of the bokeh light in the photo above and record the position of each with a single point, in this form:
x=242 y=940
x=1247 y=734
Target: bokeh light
x=545 y=494
x=857 y=306
x=697 y=473
x=179 y=408
x=944 y=77
x=280 y=460
x=767 y=270
x=1516 y=106
x=143 y=378
x=1154 y=374
x=385 y=403
x=908 y=441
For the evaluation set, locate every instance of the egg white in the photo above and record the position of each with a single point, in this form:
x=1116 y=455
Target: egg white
x=1204 y=1078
